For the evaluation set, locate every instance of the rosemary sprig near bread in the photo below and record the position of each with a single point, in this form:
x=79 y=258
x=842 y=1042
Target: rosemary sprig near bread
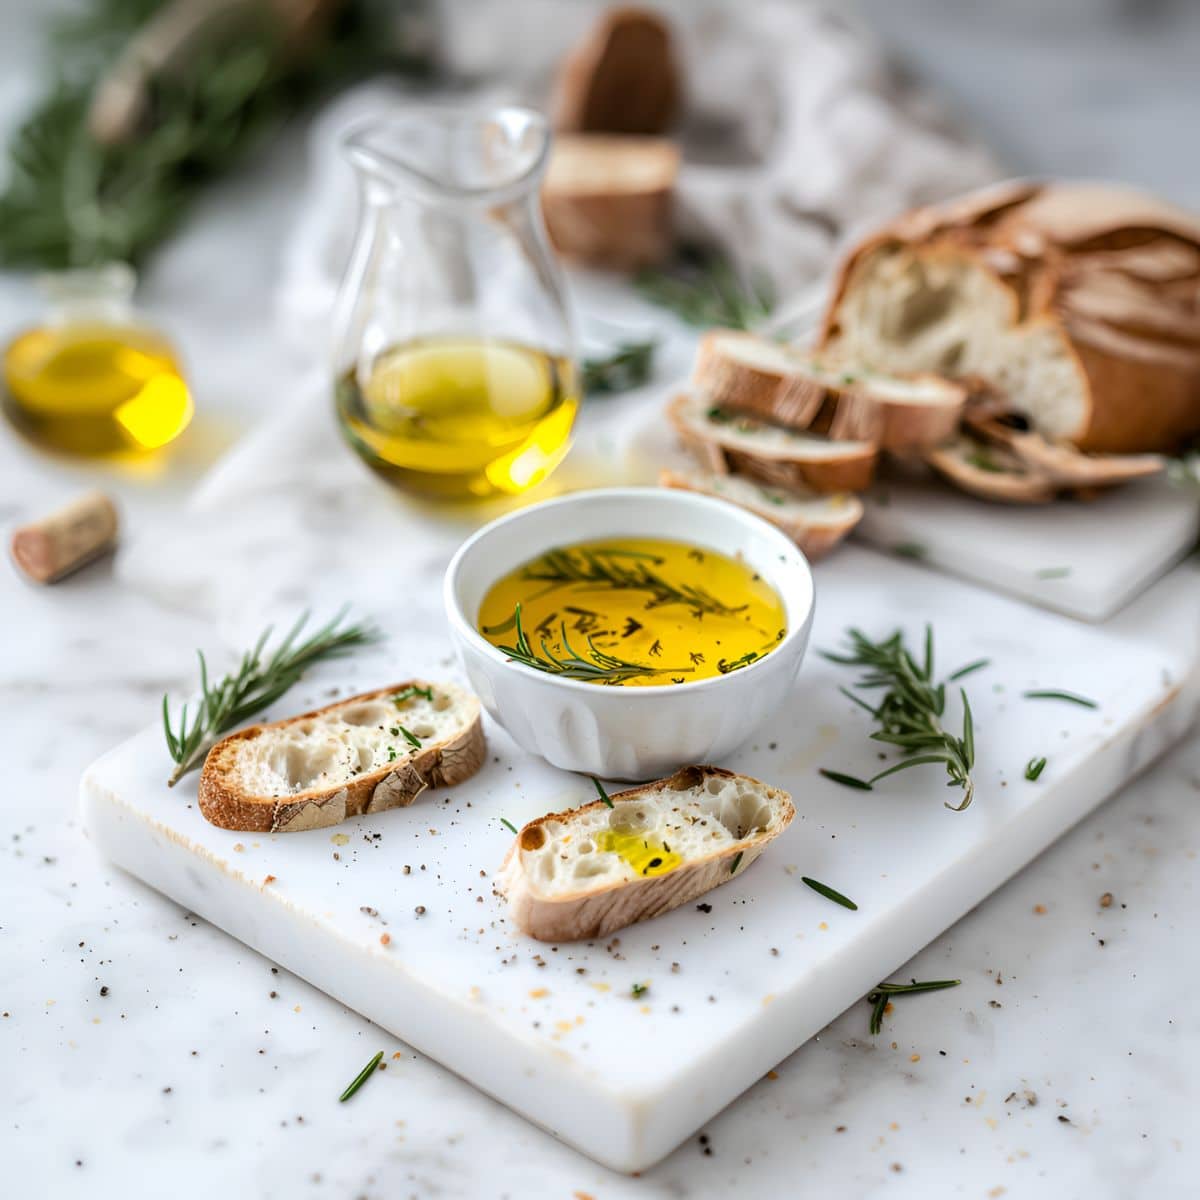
x=910 y=713
x=622 y=370
x=703 y=289
x=604 y=568
x=257 y=683
x=601 y=667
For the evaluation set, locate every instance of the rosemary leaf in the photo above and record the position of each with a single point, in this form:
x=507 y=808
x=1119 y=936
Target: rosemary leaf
x=825 y=890
x=508 y=823
x=1054 y=694
x=639 y=990
x=879 y=997
x=845 y=780
x=600 y=791
x=1034 y=768
x=737 y=862
x=627 y=367
x=969 y=669
x=257 y=683
x=361 y=1078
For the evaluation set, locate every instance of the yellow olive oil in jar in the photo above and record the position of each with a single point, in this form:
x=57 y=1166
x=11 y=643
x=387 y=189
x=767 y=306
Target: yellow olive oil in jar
x=92 y=379
x=634 y=612
x=458 y=417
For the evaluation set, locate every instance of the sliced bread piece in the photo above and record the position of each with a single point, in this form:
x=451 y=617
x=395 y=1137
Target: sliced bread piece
x=991 y=472
x=815 y=523
x=730 y=442
x=1068 y=467
x=593 y=870
x=608 y=201
x=378 y=750
x=820 y=393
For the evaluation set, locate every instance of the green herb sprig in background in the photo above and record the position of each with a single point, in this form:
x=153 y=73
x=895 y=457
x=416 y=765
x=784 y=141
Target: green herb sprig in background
x=625 y=368
x=257 y=683
x=703 y=289
x=884 y=992
x=910 y=712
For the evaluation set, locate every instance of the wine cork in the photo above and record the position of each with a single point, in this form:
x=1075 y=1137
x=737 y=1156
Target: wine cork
x=64 y=541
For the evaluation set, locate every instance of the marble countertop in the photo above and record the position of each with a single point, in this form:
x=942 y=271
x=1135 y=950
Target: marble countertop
x=145 y=1053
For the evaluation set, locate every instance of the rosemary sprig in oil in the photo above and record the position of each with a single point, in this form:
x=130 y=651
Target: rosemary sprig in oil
x=256 y=683
x=601 y=667
x=910 y=713
x=623 y=570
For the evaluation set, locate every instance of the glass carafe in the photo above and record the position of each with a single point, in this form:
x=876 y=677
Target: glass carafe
x=454 y=357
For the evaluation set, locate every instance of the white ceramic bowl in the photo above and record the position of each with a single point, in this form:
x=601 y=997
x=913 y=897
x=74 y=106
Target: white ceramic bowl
x=628 y=732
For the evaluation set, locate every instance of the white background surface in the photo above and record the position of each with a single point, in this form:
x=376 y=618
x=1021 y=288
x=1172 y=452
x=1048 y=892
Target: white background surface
x=1106 y=1035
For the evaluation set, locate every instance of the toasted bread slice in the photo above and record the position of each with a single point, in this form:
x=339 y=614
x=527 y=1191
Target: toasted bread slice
x=1067 y=466
x=591 y=871
x=818 y=393
x=352 y=757
x=991 y=472
x=730 y=442
x=815 y=523
x=608 y=201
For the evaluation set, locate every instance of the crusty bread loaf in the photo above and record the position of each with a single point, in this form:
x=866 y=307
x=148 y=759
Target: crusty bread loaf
x=1078 y=302
x=729 y=442
x=352 y=757
x=608 y=201
x=815 y=523
x=622 y=78
x=821 y=393
x=671 y=841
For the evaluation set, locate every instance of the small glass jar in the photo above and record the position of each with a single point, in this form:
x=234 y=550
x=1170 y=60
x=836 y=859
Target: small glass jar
x=455 y=372
x=93 y=378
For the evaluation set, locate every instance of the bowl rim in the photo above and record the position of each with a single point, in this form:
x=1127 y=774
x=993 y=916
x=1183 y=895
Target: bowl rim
x=652 y=691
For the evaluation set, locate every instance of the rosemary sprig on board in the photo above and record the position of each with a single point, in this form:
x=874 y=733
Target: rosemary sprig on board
x=361 y=1078
x=705 y=290
x=601 y=667
x=627 y=367
x=256 y=683
x=884 y=992
x=910 y=713
x=599 y=568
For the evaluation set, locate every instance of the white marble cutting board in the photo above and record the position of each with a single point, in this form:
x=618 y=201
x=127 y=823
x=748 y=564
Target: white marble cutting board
x=554 y=1032
x=1084 y=559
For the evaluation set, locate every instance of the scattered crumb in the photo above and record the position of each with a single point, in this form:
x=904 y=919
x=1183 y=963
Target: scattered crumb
x=1040 y=909
x=268 y=879
x=1106 y=900
x=385 y=939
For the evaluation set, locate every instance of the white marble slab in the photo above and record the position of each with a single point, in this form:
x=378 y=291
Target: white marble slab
x=555 y=1033
x=1087 y=560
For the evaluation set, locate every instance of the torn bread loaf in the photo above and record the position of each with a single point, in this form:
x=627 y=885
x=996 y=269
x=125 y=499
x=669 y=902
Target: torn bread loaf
x=375 y=751
x=608 y=201
x=731 y=442
x=591 y=871
x=815 y=523
x=824 y=394
x=1077 y=302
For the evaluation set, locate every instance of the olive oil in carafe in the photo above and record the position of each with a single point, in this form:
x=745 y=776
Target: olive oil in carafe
x=461 y=417
x=94 y=388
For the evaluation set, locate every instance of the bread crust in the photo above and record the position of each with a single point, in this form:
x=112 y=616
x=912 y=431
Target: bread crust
x=1010 y=484
x=597 y=913
x=440 y=764
x=814 y=540
x=1115 y=272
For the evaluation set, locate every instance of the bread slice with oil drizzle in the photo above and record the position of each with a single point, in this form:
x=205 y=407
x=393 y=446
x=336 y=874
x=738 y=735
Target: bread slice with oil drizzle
x=591 y=871
x=374 y=751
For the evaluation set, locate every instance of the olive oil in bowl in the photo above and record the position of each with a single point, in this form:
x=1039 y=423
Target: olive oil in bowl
x=634 y=612
x=459 y=417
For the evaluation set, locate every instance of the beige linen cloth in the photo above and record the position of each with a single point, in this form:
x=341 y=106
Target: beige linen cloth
x=798 y=135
